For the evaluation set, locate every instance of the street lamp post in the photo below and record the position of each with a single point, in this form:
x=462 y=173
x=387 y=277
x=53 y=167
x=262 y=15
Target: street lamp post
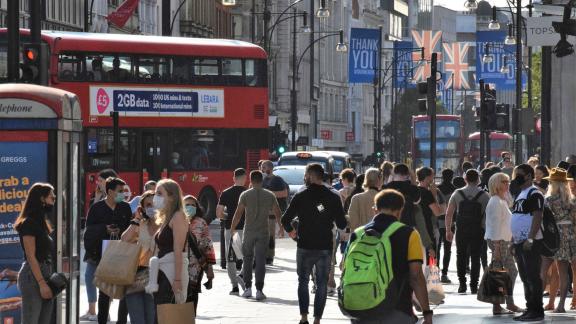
x=341 y=47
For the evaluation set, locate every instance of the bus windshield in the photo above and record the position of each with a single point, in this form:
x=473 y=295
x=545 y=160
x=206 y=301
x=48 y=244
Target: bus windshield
x=444 y=129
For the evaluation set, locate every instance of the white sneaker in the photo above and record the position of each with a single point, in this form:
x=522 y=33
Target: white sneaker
x=260 y=295
x=247 y=293
x=89 y=317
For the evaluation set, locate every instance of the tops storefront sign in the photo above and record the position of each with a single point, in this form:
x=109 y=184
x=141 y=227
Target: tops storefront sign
x=24 y=108
x=540 y=32
x=363 y=59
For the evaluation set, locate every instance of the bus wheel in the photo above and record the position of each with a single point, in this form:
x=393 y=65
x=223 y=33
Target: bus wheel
x=208 y=201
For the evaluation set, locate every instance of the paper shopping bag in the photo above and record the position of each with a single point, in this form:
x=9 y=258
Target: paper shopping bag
x=433 y=284
x=119 y=263
x=176 y=313
x=111 y=290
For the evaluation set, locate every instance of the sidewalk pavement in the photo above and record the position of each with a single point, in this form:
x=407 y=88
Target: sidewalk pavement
x=281 y=306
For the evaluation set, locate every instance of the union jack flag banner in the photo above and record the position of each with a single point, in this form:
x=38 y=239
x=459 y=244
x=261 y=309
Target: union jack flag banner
x=432 y=43
x=456 y=65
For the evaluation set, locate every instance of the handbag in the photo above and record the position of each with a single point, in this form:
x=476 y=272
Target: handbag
x=495 y=285
x=434 y=286
x=111 y=290
x=140 y=281
x=57 y=283
x=176 y=313
x=119 y=263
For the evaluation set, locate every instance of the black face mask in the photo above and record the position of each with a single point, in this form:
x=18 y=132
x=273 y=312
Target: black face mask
x=48 y=208
x=519 y=180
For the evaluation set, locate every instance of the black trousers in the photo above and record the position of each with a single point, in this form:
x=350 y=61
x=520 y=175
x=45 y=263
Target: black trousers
x=468 y=247
x=529 y=263
x=104 y=308
x=447 y=251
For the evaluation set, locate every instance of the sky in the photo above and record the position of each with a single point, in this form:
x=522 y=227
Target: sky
x=459 y=4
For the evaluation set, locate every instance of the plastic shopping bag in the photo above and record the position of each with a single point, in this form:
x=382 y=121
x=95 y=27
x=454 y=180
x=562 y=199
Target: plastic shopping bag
x=433 y=284
x=237 y=245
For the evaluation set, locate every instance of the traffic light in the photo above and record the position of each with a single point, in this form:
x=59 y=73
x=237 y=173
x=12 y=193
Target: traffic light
x=34 y=63
x=502 y=118
x=422 y=102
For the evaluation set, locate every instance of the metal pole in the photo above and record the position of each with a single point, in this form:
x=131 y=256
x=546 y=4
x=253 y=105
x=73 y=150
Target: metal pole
x=452 y=95
x=267 y=16
x=545 y=107
x=312 y=67
x=379 y=94
x=166 y=15
x=253 y=22
x=293 y=108
x=518 y=135
x=116 y=138
x=86 y=16
x=482 y=152
x=375 y=109
x=432 y=109
x=13 y=24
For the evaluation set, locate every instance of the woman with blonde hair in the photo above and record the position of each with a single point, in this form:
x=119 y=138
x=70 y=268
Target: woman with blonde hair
x=169 y=271
x=499 y=234
x=561 y=202
x=142 y=229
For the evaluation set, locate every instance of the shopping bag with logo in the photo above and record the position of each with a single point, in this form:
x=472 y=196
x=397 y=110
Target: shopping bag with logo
x=433 y=284
x=119 y=263
x=176 y=313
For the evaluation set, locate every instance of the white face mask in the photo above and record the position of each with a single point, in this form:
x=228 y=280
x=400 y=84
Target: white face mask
x=158 y=202
x=151 y=212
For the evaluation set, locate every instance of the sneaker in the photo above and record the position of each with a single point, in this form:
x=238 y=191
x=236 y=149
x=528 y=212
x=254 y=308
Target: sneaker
x=235 y=291
x=331 y=291
x=269 y=261
x=530 y=317
x=445 y=280
x=260 y=295
x=462 y=289
x=89 y=317
x=241 y=282
x=247 y=293
x=474 y=290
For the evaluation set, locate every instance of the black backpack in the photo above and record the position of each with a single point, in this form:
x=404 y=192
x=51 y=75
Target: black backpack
x=550 y=233
x=469 y=219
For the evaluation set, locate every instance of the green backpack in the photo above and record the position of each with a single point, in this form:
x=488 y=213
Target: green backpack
x=367 y=285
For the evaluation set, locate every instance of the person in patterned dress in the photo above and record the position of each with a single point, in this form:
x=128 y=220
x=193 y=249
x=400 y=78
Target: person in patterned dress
x=563 y=205
x=202 y=239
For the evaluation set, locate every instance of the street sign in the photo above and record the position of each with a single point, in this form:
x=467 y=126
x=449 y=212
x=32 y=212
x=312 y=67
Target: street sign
x=318 y=142
x=349 y=136
x=326 y=134
x=541 y=33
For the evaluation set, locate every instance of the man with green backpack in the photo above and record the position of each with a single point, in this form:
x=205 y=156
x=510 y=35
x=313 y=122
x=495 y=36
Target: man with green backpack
x=383 y=267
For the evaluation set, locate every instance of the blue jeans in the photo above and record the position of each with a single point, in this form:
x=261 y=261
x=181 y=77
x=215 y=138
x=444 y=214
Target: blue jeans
x=141 y=308
x=89 y=279
x=306 y=260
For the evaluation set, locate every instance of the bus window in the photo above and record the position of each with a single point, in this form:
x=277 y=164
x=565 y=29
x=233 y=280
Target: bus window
x=152 y=69
x=3 y=63
x=118 y=68
x=181 y=70
x=128 y=151
x=255 y=71
x=198 y=149
x=232 y=72
x=206 y=71
x=71 y=67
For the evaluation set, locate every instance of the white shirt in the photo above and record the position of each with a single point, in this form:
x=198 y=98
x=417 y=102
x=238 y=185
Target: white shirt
x=498 y=217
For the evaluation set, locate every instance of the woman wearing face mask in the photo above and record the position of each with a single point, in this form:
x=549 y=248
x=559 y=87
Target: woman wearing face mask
x=562 y=204
x=169 y=271
x=142 y=229
x=203 y=241
x=34 y=231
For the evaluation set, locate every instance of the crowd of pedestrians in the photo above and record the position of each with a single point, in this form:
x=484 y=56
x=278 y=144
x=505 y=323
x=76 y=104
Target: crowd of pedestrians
x=402 y=214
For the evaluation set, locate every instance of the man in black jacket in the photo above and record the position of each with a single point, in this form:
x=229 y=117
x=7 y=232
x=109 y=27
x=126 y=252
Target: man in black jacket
x=317 y=209
x=107 y=218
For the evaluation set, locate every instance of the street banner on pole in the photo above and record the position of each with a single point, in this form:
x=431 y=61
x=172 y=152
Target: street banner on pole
x=363 y=58
x=456 y=66
x=404 y=65
x=501 y=55
x=123 y=13
x=432 y=43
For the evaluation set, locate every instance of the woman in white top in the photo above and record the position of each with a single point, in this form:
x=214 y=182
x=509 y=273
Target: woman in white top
x=499 y=234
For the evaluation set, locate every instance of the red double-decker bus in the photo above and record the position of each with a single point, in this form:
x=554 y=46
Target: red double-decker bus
x=189 y=109
x=499 y=142
x=449 y=142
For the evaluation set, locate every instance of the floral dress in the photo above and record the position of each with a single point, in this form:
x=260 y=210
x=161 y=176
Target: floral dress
x=564 y=216
x=201 y=231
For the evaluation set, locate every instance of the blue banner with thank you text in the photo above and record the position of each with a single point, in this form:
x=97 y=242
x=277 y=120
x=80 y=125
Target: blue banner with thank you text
x=363 y=58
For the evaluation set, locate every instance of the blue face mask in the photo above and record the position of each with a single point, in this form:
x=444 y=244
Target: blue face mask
x=190 y=211
x=119 y=197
